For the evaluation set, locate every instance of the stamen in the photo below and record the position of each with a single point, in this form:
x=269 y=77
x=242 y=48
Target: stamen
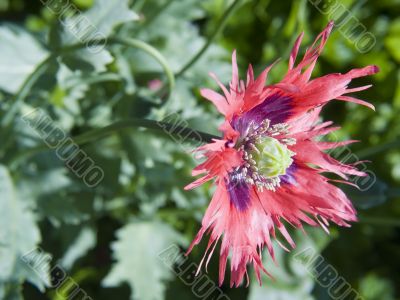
x=266 y=157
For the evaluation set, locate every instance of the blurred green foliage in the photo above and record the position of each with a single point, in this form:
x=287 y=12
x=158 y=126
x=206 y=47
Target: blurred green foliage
x=107 y=238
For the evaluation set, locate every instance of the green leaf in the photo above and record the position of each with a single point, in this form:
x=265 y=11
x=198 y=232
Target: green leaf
x=47 y=183
x=50 y=192
x=85 y=241
x=73 y=88
x=292 y=279
x=101 y=18
x=11 y=292
x=137 y=259
x=19 y=235
x=374 y=287
x=16 y=63
x=96 y=23
x=392 y=41
x=98 y=60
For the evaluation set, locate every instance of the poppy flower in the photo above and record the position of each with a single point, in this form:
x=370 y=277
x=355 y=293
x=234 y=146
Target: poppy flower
x=267 y=167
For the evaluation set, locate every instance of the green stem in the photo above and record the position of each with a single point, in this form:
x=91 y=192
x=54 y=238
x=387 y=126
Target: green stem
x=138 y=5
x=154 y=16
x=217 y=30
x=153 y=52
x=180 y=134
x=24 y=90
x=380 y=221
x=379 y=148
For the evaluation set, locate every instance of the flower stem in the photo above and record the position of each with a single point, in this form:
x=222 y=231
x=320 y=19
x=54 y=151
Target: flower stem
x=154 y=16
x=384 y=221
x=21 y=94
x=153 y=52
x=378 y=149
x=217 y=30
x=179 y=133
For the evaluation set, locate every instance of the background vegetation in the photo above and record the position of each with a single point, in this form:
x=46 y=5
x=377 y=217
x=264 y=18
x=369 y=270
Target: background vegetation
x=107 y=238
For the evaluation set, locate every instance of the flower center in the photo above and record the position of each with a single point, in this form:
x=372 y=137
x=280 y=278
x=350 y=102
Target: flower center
x=266 y=156
x=272 y=158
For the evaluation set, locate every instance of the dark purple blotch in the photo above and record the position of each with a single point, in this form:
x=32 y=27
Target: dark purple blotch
x=238 y=189
x=289 y=177
x=277 y=108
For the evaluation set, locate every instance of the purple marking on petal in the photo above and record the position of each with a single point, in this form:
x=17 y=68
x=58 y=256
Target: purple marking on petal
x=277 y=108
x=238 y=190
x=289 y=178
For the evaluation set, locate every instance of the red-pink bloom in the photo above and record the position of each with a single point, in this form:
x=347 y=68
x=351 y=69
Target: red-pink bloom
x=267 y=167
